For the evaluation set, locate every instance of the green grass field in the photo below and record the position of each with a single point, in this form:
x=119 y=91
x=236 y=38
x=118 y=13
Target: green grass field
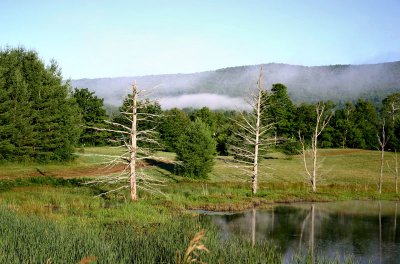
x=55 y=195
x=343 y=174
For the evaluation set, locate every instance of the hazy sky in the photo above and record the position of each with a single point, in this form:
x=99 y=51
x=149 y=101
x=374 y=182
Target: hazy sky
x=128 y=38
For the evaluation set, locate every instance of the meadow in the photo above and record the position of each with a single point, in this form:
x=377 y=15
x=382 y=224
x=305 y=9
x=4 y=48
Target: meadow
x=50 y=215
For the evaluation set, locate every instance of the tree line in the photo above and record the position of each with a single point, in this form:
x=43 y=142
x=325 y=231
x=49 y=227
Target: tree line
x=42 y=118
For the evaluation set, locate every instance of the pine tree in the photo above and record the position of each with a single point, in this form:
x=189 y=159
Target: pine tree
x=93 y=115
x=39 y=119
x=195 y=151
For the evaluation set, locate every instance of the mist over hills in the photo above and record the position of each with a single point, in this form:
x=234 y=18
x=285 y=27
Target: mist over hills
x=225 y=88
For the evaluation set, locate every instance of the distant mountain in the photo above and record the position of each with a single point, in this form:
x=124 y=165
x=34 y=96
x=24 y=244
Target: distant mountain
x=339 y=83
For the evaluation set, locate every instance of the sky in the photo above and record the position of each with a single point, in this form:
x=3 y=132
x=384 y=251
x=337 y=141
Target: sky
x=92 y=39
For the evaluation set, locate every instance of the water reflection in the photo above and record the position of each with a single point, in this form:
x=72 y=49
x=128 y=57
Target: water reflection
x=365 y=229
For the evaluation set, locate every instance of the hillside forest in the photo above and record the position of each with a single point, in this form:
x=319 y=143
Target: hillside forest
x=45 y=119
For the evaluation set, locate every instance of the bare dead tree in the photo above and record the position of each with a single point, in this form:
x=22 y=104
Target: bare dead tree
x=322 y=120
x=129 y=137
x=382 y=143
x=393 y=110
x=251 y=134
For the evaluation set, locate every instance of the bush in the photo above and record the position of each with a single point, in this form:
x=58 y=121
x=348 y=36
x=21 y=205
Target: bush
x=195 y=150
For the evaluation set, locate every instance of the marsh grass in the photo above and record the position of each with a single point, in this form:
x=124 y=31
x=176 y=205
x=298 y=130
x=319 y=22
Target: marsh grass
x=36 y=240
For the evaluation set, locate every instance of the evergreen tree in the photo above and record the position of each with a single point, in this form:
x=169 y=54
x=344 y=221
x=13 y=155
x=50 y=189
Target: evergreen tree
x=195 y=151
x=218 y=125
x=366 y=123
x=173 y=124
x=207 y=117
x=38 y=118
x=305 y=119
x=281 y=111
x=93 y=115
x=222 y=132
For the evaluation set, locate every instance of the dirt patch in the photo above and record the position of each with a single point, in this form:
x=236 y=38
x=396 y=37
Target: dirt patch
x=87 y=172
x=92 y=171
x=67 y=173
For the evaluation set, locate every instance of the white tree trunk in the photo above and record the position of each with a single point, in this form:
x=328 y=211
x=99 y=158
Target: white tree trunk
x=314 y=158
x=257 y=139
x=321 y=122
x=133 y=145
x=382 y=144
x=382 y=161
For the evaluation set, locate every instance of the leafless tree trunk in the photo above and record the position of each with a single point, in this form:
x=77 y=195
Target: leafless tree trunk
x=322 y=121
x=133 y=146
x=257 y=138
x=129 y=138
x=252 y=133
x=382 y=143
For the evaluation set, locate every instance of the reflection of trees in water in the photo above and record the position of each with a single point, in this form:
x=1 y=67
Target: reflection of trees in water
x=395 y=224
x=321 y=231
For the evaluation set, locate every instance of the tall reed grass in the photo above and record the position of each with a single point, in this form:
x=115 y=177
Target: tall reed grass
x=32 y=239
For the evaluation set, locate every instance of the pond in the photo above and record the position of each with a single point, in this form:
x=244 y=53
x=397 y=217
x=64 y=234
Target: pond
x=365 y=230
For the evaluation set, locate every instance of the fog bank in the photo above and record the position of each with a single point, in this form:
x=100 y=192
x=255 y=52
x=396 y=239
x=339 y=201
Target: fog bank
x=212 y=101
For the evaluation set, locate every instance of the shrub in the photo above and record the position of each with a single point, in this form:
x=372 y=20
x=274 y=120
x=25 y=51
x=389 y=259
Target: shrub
x=195 y=150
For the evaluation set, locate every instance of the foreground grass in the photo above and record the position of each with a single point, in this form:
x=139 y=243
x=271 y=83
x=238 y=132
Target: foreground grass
x=34 y=240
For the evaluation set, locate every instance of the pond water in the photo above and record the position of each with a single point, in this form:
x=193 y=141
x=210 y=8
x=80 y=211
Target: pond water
x=365 y=230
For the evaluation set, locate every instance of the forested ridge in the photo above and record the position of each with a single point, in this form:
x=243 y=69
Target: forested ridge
x=339 y=83
x=44 y=119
